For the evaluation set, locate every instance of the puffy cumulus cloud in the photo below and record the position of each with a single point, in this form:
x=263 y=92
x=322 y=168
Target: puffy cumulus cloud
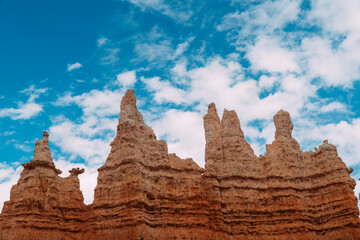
x=8 y=177
x=104 y=102
x=268 y=55
x=217 y=81
x=88 y=139
x=126 y=79
x=71 y=67
x=335 y=66
x=184 y=133
x=164 y=91
x=336 y=16
x=223 y=82
x=329 y=52
x=25 y=110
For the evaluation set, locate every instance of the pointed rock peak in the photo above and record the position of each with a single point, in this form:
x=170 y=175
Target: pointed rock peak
x=42 y=150
x=129 y=100
x=128 y=107
x=283 y=124
x=230 y=116
x=212 y=125
x=212 y=108
x=231 y=124
x=212 y=115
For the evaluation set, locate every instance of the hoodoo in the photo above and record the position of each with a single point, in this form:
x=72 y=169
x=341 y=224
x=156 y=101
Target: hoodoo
x=143 y=192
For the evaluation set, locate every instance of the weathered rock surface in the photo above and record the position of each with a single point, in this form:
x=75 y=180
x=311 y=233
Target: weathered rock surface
x=42 y=204
x=143 y=192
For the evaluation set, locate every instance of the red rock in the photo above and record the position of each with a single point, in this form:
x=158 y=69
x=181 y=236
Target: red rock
x=143 y=192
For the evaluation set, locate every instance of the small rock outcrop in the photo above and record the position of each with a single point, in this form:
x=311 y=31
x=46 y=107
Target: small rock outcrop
x=42 y=204
x=143 y=192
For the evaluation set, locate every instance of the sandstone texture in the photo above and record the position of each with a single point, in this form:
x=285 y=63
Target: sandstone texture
x=143 y=192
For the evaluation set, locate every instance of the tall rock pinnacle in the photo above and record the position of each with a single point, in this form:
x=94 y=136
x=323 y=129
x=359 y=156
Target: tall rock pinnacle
x=128 y=108
x=283 y=130
x=42 y=150
x=283 y=124
x=212 y=126
x=227 y=152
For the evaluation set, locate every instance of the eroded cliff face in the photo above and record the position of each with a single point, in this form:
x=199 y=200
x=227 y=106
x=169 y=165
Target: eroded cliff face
x=143 y=192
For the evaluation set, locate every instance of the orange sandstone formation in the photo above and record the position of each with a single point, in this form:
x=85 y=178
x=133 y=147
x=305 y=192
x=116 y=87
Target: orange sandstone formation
x=143 y=192
x=42 y=204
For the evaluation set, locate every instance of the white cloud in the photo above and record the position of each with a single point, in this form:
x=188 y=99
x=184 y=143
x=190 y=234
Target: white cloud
x=25 y=110
x=158 y=49
x=268 y=55
x=154 y=52
x=184 y=133
x=71 y=67
x=336 y=16
x=88 y=139
x=102 y=41
x=267 y=82
x=89 y=136
x=8 y=177
x=96 y=102
x=335 y=66
x=343 y=134
x=164 y=91
x=110 y=57
x=126 y=79
x=334 y=106
x=264 y=17
x=179 y=11
x=23 y=147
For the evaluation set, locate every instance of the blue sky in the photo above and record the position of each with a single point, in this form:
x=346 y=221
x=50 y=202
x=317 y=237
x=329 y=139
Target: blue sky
x=64 y=67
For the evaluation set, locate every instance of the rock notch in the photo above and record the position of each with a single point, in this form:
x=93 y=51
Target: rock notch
x=143 y=192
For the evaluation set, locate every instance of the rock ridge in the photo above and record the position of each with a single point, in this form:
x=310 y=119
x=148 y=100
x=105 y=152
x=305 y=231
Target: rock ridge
x=143 y=192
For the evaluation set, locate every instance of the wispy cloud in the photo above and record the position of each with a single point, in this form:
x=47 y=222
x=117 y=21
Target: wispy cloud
x=178 y=11
x=71 y=67
x=25 y=110
x=110 y=56
x=23 y=147
x=102 y=41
